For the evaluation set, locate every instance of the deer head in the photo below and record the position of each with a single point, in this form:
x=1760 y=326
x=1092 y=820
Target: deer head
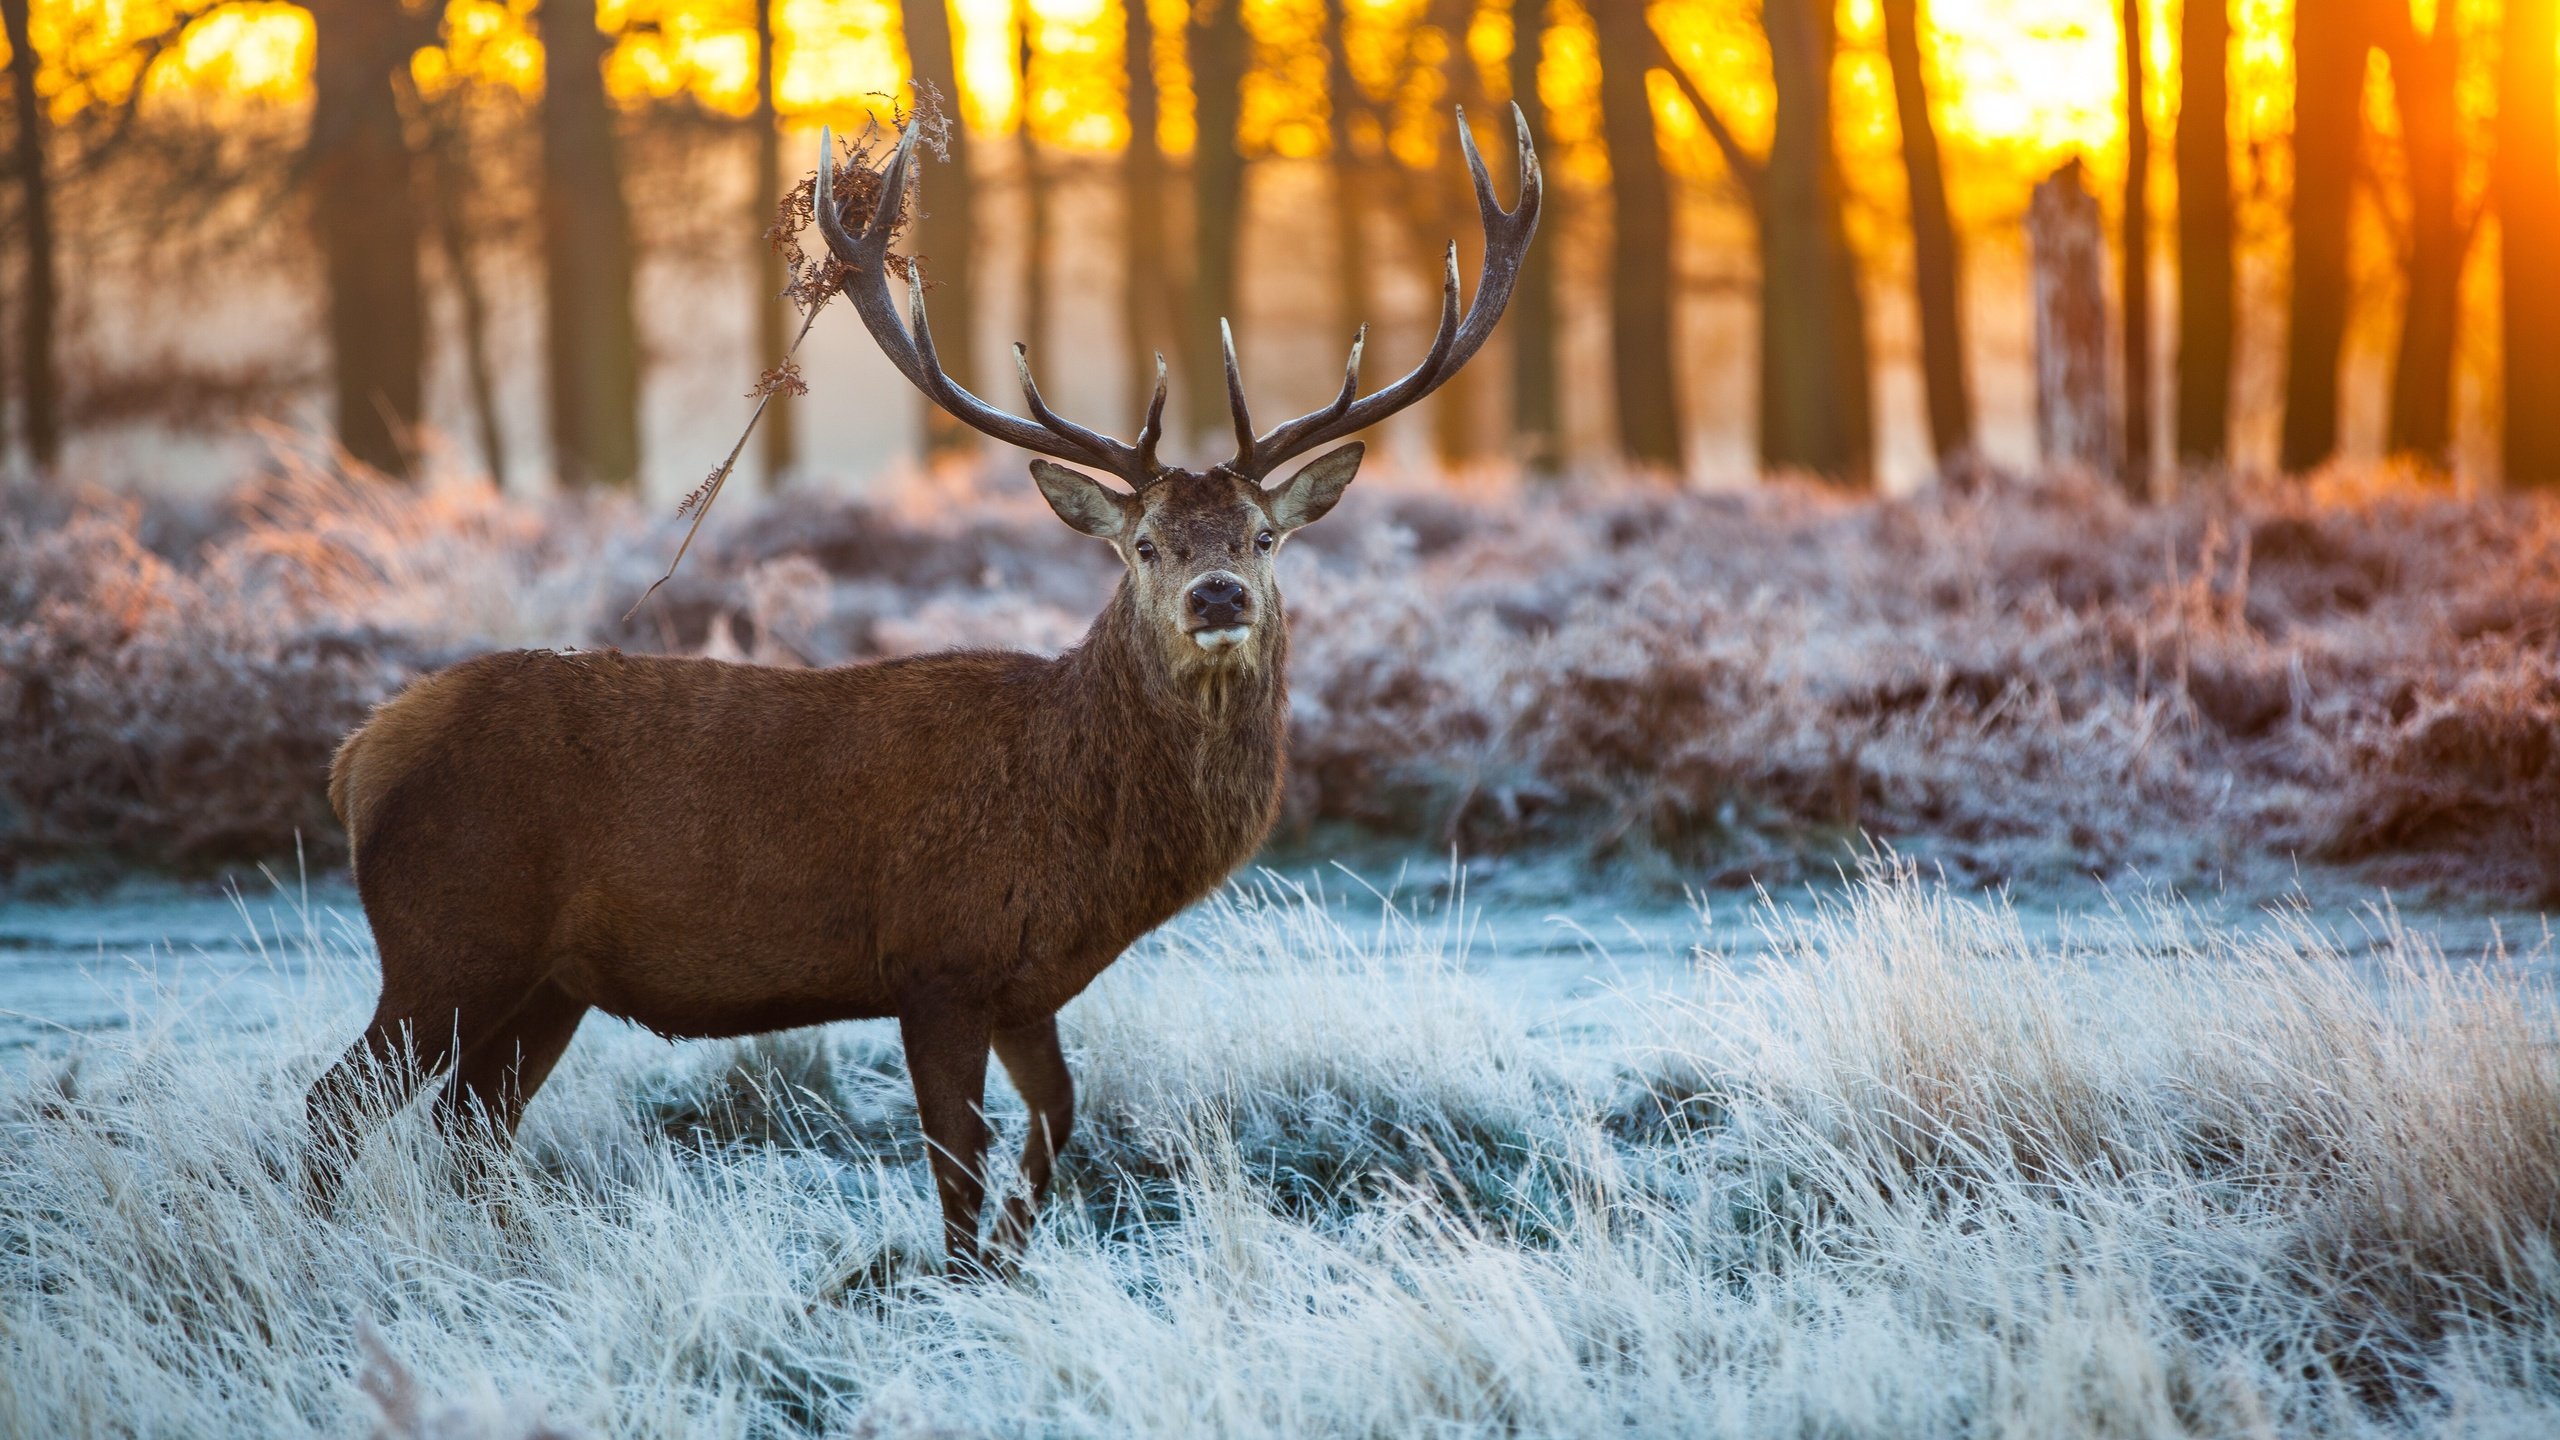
x=1198 y=544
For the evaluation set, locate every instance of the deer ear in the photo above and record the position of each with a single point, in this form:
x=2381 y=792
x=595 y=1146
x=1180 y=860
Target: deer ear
x=1082 y=501
x=1303 y=498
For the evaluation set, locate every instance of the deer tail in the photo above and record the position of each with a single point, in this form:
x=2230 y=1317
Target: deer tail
x=342 y=768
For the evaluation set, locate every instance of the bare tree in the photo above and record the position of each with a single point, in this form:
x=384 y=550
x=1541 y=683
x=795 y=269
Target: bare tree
x=1937 y=264
x=2205 y=318
x=2329 y=48
x=1815 y=397
x=1035 y=190
x=943 y=234
x=2526 y=181
x=1536 y=412
x=211 y=184
x=450 y=173
x=2136 y=263
x=39 y=387
x=1145 y=311
x=2424 y=67
x=781 y=448
x=1640 y=308
x=1816 y=405
x=357 y=164
x=1439 y=211
x=1345 y=104
x=587 y=259
x=1428 y=209
x=1221 y=52
x=2075 y=425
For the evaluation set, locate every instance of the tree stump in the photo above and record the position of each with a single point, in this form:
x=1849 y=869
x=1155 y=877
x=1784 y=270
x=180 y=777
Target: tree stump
x=2075 y=418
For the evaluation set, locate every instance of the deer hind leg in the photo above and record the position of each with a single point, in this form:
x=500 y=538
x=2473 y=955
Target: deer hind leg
x=947 y=1060
x=498 y=1075
x=377 y=1075
x=485 y=1099
x=1038 y=1069
x=412 y=1039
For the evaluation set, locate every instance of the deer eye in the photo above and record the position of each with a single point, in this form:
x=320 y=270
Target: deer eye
x=1263 y=542
x=1146 y=548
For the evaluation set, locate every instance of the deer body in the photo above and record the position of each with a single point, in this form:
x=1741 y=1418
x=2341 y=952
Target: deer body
x=960 y=841
x=714 y=849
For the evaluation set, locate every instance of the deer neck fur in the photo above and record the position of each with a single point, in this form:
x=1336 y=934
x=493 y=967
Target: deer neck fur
x=1189 y=751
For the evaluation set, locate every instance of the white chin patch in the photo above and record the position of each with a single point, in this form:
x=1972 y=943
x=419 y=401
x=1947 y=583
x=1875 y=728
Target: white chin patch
x=1214 y=641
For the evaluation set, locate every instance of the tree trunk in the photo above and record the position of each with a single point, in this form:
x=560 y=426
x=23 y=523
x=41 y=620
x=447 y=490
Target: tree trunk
x=2423 y=69
x=1537 y=423
x=449 y=183
x=2526 y=181
x=1937 y=265
x=2075 y=426
x=2136 y=262
x=1816 y=407
x=587 y=259
x=943 y=233
x=39 y=392
x=1145 y=305
x=1353 y=303
x=358 y=164
x=2328 y=125
x=1035 y=201
x=781 y=441
x=2204 y=234
x=1221 y=51
x=1354 y=299
x=1640 y=349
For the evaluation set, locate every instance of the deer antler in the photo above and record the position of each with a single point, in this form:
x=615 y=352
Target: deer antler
x=1506 y=241
x=865 y=258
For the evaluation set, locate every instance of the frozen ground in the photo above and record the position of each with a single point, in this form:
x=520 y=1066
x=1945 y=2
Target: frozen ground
x=1877 y=1159
x=1563 y=952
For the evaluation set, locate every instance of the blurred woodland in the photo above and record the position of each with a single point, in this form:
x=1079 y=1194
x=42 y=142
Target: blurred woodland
x=529 y=239
x=2251 y=592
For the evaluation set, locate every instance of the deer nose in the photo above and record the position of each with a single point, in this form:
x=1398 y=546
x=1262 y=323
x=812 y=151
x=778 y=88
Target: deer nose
x=1218 y=601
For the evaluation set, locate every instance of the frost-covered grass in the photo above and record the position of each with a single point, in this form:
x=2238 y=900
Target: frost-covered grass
x=2019 y=681
x=1916 y=1174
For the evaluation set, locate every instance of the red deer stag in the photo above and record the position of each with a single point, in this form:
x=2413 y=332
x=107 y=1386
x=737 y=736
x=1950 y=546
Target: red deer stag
x=962 y=841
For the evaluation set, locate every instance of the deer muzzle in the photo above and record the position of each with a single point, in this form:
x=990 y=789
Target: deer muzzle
x=1221 y=611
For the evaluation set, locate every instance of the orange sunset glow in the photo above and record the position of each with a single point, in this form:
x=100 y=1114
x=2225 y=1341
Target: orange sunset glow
x=2020 y=82
x=2012 y=89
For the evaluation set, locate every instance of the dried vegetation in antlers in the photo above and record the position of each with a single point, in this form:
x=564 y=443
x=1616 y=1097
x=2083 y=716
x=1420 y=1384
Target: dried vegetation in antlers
x=816 y=279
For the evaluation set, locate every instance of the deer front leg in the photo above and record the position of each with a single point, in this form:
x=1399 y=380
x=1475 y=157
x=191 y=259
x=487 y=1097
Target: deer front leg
x=1039 y=1071
x=947 y=1061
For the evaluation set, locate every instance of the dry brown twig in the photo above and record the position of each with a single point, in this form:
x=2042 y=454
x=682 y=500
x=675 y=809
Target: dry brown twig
x=814 y=281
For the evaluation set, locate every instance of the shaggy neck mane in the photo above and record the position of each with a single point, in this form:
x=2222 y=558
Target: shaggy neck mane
x=1192 y=752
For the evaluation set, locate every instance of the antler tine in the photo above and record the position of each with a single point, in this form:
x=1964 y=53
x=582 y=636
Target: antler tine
x=1445 y=334
x=908 y=342
x=1502 y=262
x=1454 y=341
x=1243 y=463
x=1102 y=450
x=1350 y=376
x=822 y=197
x=893 y=190
x=920 y=331
x=1153 y=430
x=1532 y=177
x=1488 y=208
